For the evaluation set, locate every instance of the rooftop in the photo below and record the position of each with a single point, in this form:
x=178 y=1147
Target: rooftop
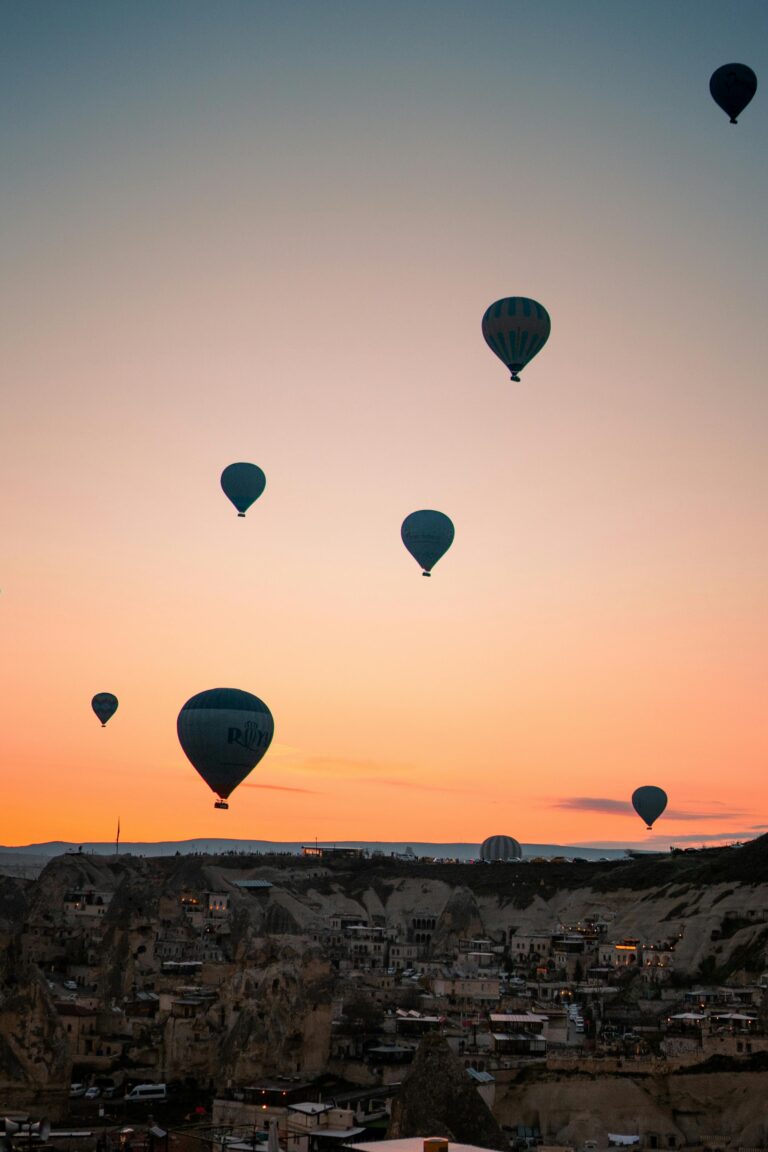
x=413 y=1144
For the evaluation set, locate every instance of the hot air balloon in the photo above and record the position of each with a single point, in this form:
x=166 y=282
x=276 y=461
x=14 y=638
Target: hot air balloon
x=224 y=733
x=500 y=848
x=427 y=535
x=732 y=87
x=516 y=328
x=649 y=802
x=242 y=484
x=104 y=705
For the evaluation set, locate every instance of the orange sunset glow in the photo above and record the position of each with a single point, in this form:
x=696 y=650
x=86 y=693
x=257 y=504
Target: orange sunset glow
x=234 y=234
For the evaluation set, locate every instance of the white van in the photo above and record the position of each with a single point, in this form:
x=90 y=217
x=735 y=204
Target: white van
x=147 y=1092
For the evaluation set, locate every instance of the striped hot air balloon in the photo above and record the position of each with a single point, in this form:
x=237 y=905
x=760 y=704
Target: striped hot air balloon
x=516 y=328
x=500 y=848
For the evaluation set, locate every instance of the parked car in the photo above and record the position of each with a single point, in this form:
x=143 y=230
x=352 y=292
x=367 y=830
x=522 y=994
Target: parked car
x=92 y=1093
x=76 y=1090
x=70 y=985
x=146 y=1092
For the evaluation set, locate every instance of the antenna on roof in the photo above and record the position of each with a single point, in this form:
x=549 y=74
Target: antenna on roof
x=117 y=838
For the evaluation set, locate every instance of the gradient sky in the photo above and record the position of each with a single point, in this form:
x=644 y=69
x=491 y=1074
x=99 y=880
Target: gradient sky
x=268 y=232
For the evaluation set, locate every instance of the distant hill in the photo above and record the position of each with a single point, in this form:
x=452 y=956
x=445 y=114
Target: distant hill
x=217 y=847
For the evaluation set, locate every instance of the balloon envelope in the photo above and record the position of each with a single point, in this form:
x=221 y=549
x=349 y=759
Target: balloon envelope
x=242 y=484
x=427 y=535
x=516 y=328
x=104 y=705
x=649 y=802
x=732 y=87
x=224 y=733
x=500 y=848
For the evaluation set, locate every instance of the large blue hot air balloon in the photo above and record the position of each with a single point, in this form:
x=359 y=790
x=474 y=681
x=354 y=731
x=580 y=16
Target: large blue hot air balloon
x=224 y=733
x=427 y=535
x=732 y=87
x=649 y=802
x=242 y=484
x=104 y=705
x=516 y=328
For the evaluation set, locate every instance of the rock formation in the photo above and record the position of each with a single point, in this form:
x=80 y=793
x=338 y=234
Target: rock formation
x=438 y=1099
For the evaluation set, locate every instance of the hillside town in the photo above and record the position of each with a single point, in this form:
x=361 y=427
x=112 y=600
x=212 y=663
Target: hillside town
x=289 y=998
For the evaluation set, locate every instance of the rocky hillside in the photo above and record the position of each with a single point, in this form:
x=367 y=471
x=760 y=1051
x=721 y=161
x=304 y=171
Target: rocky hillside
x=261 y=1001
x=438 y=1099
x=688 y=1108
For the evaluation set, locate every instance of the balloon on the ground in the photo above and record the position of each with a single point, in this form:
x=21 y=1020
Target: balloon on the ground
x=516 y=328
x=242 y=484
x=224 y=733
x=649 y=802
x=427 y=535
x=495 y=849
x=732 y=87
x=104 y=705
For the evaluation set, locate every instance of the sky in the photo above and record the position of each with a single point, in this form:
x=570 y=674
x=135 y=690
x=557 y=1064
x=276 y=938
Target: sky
x=268 y=232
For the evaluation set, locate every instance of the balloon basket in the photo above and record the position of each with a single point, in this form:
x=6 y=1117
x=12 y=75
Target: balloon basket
x=241 y=514
x=426 y=573
x=221 y=804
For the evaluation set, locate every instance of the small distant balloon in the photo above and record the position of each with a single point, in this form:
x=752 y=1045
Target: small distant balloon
x=427 y=535
x=242 y=484
x=104 y=705
x=732 y=87
x=649 y=802
x=224 y=733
x=516 y=329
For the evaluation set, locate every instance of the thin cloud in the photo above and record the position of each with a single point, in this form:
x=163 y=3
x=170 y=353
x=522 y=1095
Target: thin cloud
x=339 y=766
x=662 y=843
x=698 y=838
x=362 y=771
x=594 y=804
x=605 y=804
x=395 y=783
x=278 y=788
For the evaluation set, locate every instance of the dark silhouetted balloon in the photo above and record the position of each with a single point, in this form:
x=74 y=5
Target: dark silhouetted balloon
x=516 y=328
x=224 y=733
x=104 y=705
x=427 y=535
x=242 y=484
x=500 y=848
x=732 y=88
x=649 y=802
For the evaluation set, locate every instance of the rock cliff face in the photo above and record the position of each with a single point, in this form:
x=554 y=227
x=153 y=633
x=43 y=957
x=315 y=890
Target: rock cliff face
x=34 y=1056
x=460 y=917
x=687 y=1108
x=269 y=982
x=437 y=1099
x=280 y=1006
